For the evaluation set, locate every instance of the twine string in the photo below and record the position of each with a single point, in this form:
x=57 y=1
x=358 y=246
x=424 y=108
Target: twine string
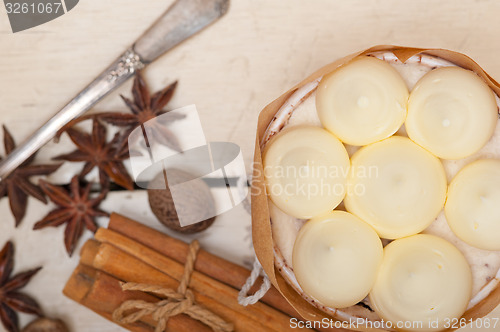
x=243 y=298
x=180 y=301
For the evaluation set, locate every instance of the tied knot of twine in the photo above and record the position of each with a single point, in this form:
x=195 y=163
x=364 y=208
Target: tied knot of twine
x=180 y=301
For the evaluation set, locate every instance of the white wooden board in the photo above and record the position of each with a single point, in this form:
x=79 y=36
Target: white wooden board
x=231 y=71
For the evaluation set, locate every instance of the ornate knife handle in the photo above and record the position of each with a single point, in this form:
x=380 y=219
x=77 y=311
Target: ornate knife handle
x=182 y=20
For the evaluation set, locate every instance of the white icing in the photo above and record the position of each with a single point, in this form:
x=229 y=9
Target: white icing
x=362 y=102
x=422 y=278
x=306 y=171
x=388 y=179
x=451 y=113
x=287 y=228
x=472 y=208
x=336 y=257
x=484 y=263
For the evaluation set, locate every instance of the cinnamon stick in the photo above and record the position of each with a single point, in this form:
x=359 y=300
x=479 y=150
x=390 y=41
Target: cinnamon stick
x=81 y=288
x=199 y=282
x=128 y=268
x=107 y=287
x=103 y=294
x=211 y=265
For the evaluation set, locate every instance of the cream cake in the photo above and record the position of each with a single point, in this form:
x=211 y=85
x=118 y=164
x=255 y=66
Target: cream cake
x=301 y=110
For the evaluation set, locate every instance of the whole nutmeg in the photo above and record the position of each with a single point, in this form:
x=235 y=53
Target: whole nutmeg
x=195 y=201
x=46 y=325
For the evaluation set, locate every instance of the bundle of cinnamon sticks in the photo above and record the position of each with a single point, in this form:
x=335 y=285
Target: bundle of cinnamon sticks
x=130 y=252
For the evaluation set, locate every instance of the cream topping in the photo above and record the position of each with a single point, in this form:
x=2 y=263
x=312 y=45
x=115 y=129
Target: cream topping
x=396 y=186
x=306 y=171
x=451 y=112
x=362 y=102
x=336 y=258
x=472 y=208
x=423 y=279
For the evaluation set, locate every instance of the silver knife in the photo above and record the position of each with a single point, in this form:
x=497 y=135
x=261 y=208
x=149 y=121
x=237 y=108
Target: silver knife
x=182 y=20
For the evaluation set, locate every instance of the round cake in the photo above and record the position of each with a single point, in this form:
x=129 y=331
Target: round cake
x=307 y=108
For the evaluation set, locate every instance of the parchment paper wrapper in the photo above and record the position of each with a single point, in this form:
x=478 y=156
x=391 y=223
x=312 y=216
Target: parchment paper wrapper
x=261 y=225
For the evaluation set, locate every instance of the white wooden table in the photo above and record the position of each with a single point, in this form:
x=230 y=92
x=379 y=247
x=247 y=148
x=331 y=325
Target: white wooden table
x=231 y=71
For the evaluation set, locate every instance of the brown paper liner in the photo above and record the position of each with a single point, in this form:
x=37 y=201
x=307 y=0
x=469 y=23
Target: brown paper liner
x=261 y=223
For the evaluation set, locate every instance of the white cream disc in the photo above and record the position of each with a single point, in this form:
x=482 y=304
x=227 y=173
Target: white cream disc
x=423 y=281
x=306 y=171
x=336 y=258
x=451 y=112
x=362 y=102
x=396 y=186
x=473 y=206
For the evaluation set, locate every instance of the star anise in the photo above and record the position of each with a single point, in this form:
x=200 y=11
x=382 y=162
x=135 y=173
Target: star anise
x=17 y=185
x=95 y=151
x=75 y=208
x=147 y=108
x=10 y=299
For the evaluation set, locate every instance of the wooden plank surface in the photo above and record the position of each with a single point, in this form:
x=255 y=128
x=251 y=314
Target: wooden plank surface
x=231 y=71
